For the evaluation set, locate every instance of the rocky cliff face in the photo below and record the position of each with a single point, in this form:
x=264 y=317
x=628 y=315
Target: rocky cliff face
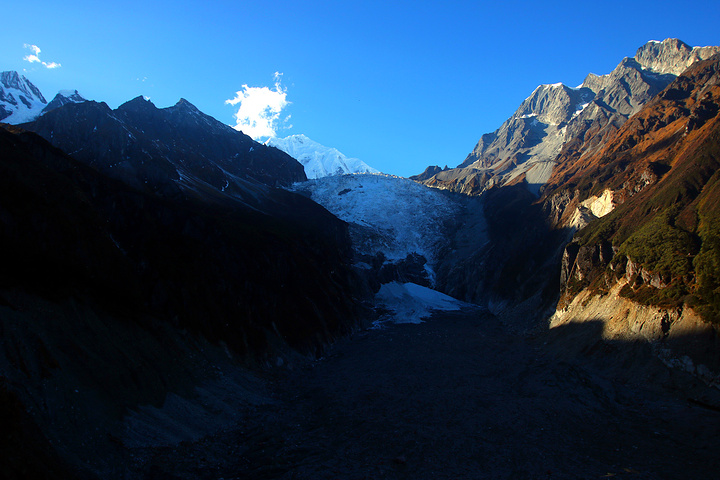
x=644 y=261
x=556 y=121
x=671 y=56
x=660 y=170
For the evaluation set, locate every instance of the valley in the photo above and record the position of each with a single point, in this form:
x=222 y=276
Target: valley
x=180 y=301
x=460 y=396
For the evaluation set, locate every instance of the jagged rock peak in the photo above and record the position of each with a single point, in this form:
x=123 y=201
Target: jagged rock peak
x=137 y=103
x=64 y=97
x=184 y=104
x=671 y=55
x=554 y=103
x=13 y=79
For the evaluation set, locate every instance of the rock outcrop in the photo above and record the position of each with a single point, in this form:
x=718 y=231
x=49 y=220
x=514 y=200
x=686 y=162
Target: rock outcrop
x=678 y=336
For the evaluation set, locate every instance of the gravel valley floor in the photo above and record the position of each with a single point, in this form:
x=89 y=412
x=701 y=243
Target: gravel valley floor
x=458 y=396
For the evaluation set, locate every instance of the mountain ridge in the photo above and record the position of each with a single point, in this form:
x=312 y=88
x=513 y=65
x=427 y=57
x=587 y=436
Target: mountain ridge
x=668 y=157
x=174 y=150
x=525 y=147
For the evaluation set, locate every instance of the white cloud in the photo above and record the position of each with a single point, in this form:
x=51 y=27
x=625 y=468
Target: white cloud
x=34 y=48
x=260 y=107
x=35 y=57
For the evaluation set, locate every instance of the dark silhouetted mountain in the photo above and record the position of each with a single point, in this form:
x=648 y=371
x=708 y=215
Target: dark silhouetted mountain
x=63 y=98
x=170 y=150
x=114 y=300
x=67 y=229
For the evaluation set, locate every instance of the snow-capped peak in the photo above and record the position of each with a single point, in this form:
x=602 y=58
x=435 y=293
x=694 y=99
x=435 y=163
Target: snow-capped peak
x=20 y=100
x=63 y=98
x=319 y=160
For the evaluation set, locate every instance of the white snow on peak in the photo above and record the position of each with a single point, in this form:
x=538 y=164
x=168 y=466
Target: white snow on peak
x=20 y=98
x=411 y=303
x=389 y=215
x=319 y=160
x=545 y=86
x=21 y=101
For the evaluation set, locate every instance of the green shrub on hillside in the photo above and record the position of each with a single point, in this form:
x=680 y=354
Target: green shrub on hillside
x=661 y=247
x=707 y=269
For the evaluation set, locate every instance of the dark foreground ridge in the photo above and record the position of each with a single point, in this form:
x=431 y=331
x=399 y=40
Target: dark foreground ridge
x=460 y=397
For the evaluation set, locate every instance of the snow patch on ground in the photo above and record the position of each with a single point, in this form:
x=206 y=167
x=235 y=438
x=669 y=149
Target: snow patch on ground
x=411 y=303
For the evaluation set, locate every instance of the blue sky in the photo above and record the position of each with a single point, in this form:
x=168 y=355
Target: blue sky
x=400 y=85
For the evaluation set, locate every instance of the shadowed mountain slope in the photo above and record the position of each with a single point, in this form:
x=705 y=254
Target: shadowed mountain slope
x=115 y=302
x=169 y=150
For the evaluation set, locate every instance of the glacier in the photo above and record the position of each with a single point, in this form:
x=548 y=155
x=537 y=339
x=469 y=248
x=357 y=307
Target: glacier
x=388 y=215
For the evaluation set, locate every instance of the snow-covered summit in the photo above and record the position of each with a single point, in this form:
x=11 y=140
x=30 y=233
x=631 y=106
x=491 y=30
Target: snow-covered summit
x=21 y=101
x=319 y=160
